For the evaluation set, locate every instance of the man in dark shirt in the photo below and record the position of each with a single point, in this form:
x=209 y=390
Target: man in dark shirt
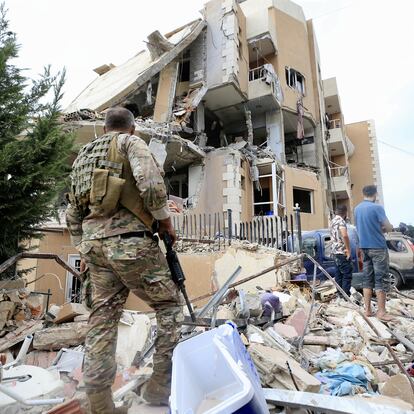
x=371 y=223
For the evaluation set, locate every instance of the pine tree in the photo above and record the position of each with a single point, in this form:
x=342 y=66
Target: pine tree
x=34 y=147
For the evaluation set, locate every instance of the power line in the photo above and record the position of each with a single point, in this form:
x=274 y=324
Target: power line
x=333 y=11
x=396 y=148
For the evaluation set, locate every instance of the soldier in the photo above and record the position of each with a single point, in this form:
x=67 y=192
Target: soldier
x=117 y=191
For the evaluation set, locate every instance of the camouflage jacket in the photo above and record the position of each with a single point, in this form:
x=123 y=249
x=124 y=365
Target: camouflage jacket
x=150 y=184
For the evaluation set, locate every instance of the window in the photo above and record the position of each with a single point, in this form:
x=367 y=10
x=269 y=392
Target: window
x=304 y=198
x=295 y=80
x=327 y=245
x=73 y=284
x=396 y=246
x=184 y=71
x=309 y=246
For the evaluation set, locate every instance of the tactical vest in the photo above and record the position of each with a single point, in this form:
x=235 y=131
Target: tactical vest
x=102 y=180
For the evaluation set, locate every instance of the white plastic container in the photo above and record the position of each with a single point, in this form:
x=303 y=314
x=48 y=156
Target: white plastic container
x=213 y=374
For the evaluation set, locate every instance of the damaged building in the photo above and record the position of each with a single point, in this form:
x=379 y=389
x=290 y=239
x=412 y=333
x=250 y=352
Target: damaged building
x=233 y=106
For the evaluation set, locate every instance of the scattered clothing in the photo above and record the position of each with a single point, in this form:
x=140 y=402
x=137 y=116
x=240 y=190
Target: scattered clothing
x=347 y=379
x=270 y=303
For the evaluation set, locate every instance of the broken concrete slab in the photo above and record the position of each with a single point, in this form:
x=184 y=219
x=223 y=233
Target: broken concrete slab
x=298 y=319
x=320 y=340
x=23 y=329
x=287 y=331
x=157 y=44
x=272 y=366
x=69 y=311
x=65 y=335
x=166 y=92
x=124 y=80
x=398 y=386
x=248 y=305
x=133 y=332
x=328 y=403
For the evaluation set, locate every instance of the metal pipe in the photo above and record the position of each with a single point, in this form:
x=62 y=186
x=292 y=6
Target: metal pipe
x=12 y=394
x=22 y=353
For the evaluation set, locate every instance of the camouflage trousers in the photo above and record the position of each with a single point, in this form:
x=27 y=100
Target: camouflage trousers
x=119 y=265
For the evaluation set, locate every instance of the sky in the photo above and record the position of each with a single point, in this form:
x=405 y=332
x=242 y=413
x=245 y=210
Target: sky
x=365 y=44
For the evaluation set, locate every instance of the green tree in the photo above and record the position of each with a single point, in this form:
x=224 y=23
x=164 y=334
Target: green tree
x=34 y=147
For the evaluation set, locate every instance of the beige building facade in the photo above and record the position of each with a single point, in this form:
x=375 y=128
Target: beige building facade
x=364 y=164
x=234 y=108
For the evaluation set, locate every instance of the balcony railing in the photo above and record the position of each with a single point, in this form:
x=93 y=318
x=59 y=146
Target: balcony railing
x=335 y=123
x=263 y=80
x=340 y=171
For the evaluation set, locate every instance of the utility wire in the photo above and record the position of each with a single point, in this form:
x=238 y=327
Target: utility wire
x=333 y=11
x=396 y=148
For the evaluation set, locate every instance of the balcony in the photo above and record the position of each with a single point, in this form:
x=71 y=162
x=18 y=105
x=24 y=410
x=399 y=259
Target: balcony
x=260 y=27
x=264 y=90
x=330 y=92
x=336 y=142
x=340 y=183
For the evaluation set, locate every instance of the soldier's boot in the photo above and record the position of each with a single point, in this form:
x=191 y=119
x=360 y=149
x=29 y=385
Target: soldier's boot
x=101 y=403
x=156 y=392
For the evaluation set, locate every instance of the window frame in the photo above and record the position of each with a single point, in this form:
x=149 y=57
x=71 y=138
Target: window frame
x=310 y=191
x=291 y=75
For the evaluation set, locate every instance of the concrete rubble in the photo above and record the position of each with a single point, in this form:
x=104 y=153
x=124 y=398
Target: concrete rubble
x=297 y=344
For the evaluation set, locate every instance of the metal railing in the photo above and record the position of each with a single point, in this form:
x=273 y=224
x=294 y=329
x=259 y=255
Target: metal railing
x=339 y=172
x=281 y=232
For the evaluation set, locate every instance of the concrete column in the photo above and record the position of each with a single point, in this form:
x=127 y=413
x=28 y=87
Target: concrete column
x=166 y=92
x=275 y=136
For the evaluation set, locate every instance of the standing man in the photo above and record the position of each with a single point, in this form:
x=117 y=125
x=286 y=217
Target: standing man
x=371 y=223
x=117 y=191
x=341 y=248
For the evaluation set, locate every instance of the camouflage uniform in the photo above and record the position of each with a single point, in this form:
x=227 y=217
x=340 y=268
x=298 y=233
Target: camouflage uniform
x=119 y=263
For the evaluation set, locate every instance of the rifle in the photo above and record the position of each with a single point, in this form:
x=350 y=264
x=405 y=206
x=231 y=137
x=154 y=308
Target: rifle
x=177 y=273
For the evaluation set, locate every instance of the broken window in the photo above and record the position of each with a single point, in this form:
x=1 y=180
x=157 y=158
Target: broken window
x=295 y=80
x=304 y=198
x=309 y=246
x=184 y=71
x=73 y=284
x=177 y=185
x=396 y=246
x=269 y=198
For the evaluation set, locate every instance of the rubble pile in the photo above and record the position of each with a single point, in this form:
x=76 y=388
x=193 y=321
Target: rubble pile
x=327 y=346
x=302 y=337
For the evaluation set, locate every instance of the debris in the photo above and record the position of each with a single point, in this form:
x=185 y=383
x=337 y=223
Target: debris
x=328 y=403
x=69 y=311
x=272 y=366
x=20 y=330
x=133 y=335
x=287 y=331
x=61 y=336
x=39 y=384
x=67 y=360
x=298 y=320
x=399 y=386
x=346 y=379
